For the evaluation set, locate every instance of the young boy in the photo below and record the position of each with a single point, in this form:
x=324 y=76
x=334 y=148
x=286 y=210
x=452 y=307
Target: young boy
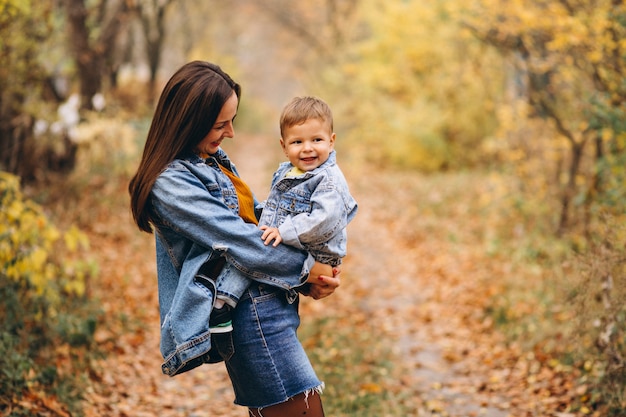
x=309 y=204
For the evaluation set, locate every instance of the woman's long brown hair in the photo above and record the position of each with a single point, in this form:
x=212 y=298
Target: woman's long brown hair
x=187 y=110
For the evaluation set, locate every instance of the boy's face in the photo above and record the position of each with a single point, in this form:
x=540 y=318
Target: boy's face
x=309 y=144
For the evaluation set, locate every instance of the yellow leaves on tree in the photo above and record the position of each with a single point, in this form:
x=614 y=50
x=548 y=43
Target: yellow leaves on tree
x=421 y=90
x=29 y=247
x=566 y=65
x=9 y=8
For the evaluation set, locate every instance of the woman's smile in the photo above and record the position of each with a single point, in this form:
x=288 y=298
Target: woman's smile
x=223 y=127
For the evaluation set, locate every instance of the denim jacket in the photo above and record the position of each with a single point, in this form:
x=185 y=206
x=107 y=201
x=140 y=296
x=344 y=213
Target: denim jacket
x=195 y=210
x=311 y=210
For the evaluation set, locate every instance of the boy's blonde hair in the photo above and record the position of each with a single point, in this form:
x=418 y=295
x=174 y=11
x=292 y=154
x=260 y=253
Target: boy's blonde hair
x=301 y=109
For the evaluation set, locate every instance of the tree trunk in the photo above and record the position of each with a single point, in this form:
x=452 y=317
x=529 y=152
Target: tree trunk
x=570 y=189
x=595 y=188
x=153 y=25
x=88 y=61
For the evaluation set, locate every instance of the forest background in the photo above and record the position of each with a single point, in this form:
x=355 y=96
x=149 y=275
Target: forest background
x=522 y=102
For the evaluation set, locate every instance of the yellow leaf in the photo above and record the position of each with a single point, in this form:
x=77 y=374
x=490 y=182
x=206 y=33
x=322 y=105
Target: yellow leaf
x=371 y=388
x=76 y=286
x=74 y=239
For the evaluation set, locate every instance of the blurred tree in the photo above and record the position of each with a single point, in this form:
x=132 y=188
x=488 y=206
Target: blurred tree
x=312 y=36
x=26 y=27
x=323 y=26
x=275 y=48
x=93 y=30
x=36 y=127
x=152 y=15
x=608 y=117
x=421 y=91
x=572 y=58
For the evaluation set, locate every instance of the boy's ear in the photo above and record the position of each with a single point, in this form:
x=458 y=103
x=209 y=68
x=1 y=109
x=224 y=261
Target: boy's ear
x=282 y=145
x=332 y=140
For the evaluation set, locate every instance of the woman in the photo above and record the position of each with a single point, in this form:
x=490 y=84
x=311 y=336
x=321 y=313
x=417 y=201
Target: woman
x=188 y=192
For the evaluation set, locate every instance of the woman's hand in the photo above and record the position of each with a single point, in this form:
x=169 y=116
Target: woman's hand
x=322 y=284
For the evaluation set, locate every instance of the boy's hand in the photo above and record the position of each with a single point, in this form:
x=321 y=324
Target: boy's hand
x=269 y=234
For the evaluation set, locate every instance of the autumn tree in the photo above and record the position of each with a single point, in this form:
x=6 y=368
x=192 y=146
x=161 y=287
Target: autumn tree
x=27 y=89
x=323 y=26
x=313 y=35
x=152 y=17
x=419 y=90
x=571 y=58
x=35 y=124
x=92 y=32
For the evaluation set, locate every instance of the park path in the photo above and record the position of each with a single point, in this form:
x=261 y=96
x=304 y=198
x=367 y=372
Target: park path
x=416 y=293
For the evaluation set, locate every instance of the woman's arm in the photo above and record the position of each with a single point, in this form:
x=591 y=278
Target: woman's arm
x=197 y=212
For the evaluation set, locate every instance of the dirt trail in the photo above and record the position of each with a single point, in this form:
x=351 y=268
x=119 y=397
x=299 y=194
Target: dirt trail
x=401 y=288
x=414 y=303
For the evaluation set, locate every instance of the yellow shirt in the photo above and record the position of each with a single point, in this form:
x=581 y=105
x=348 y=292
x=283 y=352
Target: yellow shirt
x=294 y=172
x=244 y=195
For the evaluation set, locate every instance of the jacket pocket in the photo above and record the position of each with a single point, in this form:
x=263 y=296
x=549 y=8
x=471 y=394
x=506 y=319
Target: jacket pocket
x=294 y=204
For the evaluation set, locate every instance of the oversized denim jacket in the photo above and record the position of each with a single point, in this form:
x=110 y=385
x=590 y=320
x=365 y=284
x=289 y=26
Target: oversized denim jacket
x=311 y=210
x=195 y=209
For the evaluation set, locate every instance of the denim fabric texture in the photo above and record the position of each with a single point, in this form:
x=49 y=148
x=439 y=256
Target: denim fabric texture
x=195 y=209
x=231 y=284
x=268 y=365
x=311 y=210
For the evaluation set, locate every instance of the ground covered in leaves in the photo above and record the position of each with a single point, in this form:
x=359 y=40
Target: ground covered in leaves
x=418 y=280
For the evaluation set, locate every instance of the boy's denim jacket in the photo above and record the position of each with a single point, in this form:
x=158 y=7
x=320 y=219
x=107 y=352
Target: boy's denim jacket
x=195 y=212
x=311 y=210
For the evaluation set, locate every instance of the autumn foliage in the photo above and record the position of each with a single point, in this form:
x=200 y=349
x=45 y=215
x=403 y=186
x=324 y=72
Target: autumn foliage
x=46 y=317
x=488 y=137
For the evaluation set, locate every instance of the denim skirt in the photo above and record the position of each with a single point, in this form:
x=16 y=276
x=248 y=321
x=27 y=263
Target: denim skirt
x=264 y=358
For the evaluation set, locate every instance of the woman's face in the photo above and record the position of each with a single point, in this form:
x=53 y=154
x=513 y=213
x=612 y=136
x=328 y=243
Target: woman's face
x=223 y=127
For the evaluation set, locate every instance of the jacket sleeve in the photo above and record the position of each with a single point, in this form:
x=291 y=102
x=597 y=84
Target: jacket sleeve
x=183 y=203
x=327 y=217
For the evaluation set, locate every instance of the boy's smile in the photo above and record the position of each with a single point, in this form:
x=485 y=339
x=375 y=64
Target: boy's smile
x=308 y=145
